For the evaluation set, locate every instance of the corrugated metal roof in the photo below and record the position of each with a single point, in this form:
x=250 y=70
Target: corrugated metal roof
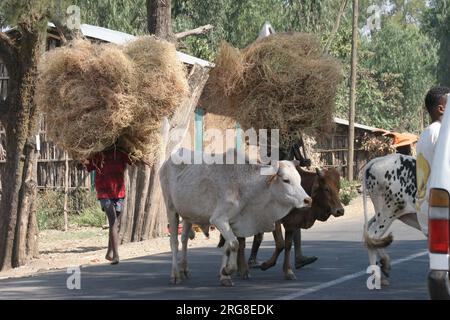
x=357 y=125
x=118 y=37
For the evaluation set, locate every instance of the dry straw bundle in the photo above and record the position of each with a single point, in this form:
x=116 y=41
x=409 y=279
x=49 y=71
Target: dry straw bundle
x=283 y=81
x=96 y=95
x=377 y=146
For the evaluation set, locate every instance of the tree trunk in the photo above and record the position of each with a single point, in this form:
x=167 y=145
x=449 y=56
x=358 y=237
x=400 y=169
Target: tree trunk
x=159 y=20
x=144 y=174
x=18 y=227
x=351 y=116
x=144 y=216
x=336 y=25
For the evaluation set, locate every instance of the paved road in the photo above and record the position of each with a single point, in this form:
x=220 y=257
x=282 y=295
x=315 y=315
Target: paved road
x=338 y=274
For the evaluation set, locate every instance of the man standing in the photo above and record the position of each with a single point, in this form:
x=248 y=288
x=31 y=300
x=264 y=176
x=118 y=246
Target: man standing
x=435 y=102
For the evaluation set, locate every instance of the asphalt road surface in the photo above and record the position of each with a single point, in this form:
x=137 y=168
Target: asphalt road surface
x=339 y=273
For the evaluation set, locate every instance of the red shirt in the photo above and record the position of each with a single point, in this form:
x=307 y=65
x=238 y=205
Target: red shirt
x=109 y=169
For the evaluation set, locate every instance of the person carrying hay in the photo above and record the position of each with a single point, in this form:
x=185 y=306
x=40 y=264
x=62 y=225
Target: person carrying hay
x=109 y=166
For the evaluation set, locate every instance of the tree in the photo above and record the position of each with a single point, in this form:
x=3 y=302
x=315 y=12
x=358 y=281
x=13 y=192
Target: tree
x=128 y=16
x=351 y=117
x=437 y=25
x=159 y=18
x=402 y=55
x=20 y=50
x=145 y=215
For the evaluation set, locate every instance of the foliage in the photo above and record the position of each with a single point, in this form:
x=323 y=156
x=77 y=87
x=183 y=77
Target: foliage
x=405 y=58
x=437 y=24
x=396 y=66
x=239 y=22
x=348 y=192
x=83 y=207
x=126 y=16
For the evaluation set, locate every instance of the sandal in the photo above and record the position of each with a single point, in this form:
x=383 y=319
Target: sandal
x=303 y=261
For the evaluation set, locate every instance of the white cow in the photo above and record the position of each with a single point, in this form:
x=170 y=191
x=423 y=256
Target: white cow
x=236 y=198
x=391 y=184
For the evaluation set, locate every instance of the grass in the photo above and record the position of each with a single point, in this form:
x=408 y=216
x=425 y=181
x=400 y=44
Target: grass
x=73 y=234
x=84 y=209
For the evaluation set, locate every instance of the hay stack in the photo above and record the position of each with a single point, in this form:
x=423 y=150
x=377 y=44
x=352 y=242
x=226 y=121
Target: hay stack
x=96 y=95
x=281 y=82
x=160 y=88
x=377 y=146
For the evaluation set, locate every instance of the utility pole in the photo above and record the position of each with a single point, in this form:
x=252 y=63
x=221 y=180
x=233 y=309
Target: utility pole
x=351 y=114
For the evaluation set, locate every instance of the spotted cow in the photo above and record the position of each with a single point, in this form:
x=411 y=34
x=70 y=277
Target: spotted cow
x=390 y=182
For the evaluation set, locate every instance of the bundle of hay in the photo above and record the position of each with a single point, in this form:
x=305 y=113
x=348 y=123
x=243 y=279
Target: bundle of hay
x=283 y=81
x=97 y=95
x=377 y=146
x=161 y=87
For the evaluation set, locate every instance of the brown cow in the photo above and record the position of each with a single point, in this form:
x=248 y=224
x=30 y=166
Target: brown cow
x=323 y=186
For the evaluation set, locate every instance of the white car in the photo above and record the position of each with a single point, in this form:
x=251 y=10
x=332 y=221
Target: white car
x=438 y=214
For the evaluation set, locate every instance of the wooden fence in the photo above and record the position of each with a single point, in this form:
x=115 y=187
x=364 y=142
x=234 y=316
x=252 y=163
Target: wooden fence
x=54 y=167
x=332 y=150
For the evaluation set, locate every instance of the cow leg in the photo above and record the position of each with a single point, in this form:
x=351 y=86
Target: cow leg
x=253 y=261
x=288 y=273
x=385 y=266
x=231 y=245
x=242 y=264
x=378 y=225
x=225 y=274
x=279 y=247
x=173 y=229
x=184 y=272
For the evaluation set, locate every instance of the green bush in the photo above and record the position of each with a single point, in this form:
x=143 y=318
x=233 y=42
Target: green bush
x=89 y=217
x=83 y=206
x=349 y=191
x=50 y=210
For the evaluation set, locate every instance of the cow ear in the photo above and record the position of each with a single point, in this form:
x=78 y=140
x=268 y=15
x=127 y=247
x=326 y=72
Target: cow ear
x=319 y=173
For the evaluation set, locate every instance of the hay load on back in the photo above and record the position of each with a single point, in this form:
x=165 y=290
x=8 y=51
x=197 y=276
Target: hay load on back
x=283 y=81
x=98 y=95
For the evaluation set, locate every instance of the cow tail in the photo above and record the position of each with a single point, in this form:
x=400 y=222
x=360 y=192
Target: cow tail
x=364 y=190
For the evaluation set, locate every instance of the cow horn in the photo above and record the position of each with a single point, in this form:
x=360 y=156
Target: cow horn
x=319 y=172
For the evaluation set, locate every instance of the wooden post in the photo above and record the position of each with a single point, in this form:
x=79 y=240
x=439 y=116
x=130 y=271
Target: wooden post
x=66 y=189
x=351 y=116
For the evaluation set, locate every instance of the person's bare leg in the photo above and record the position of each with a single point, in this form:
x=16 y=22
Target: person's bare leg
x=113 y=232
x=109 y=253
x=300 y=259
x=253 y=261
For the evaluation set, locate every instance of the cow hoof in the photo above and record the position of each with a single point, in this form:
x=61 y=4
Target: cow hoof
x=185 y=274
x=254 y=264
x=245 y=275
x=226 y=282
x=265 y=266
x=290 y=276
x=384 y=282
x=175 y=280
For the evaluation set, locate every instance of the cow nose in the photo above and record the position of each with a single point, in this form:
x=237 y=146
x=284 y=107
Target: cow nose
x=340 y=212
x=308 y=201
